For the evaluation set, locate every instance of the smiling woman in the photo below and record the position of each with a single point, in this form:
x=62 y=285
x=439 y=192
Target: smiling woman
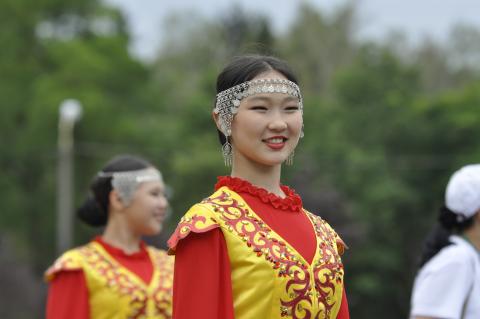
x=259 y=252
x=267 y=126
x=116 y=275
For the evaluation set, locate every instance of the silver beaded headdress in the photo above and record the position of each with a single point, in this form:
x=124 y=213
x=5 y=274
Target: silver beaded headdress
x=127 y=182
x=228 y=101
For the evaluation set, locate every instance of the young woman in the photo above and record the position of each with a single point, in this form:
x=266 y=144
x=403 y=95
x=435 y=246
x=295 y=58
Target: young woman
x=448 y=284
x=116 y=275
x=250 y=250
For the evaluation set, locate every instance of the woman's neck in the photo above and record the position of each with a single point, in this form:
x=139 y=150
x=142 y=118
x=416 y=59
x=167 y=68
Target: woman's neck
x=267 y=177
x=119 y=235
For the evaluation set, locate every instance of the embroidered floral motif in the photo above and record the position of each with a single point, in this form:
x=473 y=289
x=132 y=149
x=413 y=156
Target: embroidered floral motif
x=197 y=224
x=329 y=267
x=163 y=293
x=123 y=284
x=116 y=280
x=110 y=275
x=257 y=235
x=61 y=263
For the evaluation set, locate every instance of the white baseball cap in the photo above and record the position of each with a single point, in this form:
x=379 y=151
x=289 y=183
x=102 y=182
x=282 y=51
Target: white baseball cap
x=463 y=191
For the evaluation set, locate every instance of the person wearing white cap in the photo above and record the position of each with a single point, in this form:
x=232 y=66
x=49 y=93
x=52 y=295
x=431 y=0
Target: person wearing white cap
x=448 y=283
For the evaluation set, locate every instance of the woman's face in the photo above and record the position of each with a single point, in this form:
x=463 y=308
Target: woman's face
x=148 y=208
x=267 y=126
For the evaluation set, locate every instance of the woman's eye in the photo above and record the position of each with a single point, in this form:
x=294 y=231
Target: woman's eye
x=258 y=108
x=156 y=193
x=292 y=108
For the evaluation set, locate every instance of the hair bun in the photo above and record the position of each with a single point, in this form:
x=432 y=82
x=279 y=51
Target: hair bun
x=91 y=213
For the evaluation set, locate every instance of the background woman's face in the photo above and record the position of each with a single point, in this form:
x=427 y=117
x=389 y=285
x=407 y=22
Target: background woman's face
x=148 y=208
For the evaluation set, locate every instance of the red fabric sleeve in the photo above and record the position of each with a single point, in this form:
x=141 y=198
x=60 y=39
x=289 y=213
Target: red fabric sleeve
x=343 y=313
x=68 y=296
x=202 y=285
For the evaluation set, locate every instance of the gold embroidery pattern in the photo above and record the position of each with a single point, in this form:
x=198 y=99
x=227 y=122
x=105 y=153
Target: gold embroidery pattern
x=257 y=235
x=116 y=280
x=328 y=268
x=197 y=224
x=60 y=264
x=163 y=293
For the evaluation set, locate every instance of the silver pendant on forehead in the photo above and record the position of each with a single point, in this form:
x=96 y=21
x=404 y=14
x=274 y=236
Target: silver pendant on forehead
x=127 y=182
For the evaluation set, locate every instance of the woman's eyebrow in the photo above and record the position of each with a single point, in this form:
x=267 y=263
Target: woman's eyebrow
x=261 y=98
x=290 y=98
x=267 y=98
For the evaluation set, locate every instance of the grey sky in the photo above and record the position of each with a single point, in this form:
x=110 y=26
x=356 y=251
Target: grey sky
x=416 y=17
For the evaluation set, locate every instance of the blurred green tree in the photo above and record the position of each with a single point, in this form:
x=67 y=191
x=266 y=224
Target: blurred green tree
x=55 y=50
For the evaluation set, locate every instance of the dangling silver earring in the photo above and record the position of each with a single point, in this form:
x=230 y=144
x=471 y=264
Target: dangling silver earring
x=302 y=134
x=227 y=152
x=289 y=160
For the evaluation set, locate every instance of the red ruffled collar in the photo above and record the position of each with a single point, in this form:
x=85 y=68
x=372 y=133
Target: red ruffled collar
x=291 y=202
x=115 y=251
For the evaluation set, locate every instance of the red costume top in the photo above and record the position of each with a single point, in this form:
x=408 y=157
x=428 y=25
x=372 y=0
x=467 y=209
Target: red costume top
x=69 y=294
x=202 y=263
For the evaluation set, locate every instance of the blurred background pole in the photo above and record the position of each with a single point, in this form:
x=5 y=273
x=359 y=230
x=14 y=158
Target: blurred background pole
x=70 y=112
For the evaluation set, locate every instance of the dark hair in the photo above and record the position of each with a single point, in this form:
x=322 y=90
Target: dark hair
x=438 y=238
x=94 y=211
x=247 y=67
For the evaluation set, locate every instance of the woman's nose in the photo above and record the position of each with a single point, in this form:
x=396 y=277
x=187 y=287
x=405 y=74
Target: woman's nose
x=163 y=202
x=277 y=122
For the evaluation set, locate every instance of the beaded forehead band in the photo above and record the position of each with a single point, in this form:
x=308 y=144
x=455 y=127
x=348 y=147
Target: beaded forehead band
x=229 y=100
x=127 y=182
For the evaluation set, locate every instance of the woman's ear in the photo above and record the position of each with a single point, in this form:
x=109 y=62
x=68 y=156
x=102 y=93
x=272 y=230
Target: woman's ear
x=216 y=118
x=115 y=201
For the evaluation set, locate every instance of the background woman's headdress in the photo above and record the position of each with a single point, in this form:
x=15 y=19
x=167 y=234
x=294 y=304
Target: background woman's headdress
x=127 y=182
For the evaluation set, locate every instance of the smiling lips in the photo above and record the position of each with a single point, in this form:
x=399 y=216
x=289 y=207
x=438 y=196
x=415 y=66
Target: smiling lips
x=276 y=142
x=159 y=216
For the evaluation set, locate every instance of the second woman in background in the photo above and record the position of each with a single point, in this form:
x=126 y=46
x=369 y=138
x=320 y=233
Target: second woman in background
x=251 y=250
x=116 y=275
x=448 y=284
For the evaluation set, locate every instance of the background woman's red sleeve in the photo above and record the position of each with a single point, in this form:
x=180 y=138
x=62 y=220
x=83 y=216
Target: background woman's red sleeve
x=68 y=296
